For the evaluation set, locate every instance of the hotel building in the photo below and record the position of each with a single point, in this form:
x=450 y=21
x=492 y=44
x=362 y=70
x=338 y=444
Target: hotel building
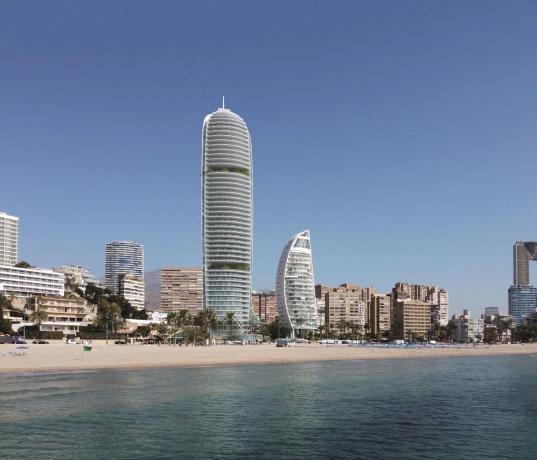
x=411 y=318
x=295 y=288
x=181 y=289
x=9 y=239
x=226 y=209
x=25 y=282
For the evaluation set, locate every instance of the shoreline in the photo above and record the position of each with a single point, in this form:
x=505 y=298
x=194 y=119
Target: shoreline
x=59 y=357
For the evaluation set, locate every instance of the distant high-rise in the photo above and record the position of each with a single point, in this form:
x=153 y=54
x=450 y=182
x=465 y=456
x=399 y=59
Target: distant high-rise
x=122 y=257
x=522 y=295
x=226 y=207
x=295 y=289
x=181 y=289
x=9 y=239
x=523 y=252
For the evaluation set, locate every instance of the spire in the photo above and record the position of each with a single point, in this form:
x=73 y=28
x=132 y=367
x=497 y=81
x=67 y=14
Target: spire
x=223 y=102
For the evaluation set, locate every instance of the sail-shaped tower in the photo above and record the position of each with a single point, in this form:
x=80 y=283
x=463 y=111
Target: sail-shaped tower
x=295 y=289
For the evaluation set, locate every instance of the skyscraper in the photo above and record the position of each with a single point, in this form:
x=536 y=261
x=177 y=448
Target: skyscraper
x=122 y=257
x=9 y=239
x=295 y=289
x=226 y=208
x=522 y=295
x=523 y=252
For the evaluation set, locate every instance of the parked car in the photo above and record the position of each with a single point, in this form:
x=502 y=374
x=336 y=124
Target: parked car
x=120 y=342
x=40 y=342
x=71 y=342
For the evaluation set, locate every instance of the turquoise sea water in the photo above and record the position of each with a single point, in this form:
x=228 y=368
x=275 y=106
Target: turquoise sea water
x=418 y=408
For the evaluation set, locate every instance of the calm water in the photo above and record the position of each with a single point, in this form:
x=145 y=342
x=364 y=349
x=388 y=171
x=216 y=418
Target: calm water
x=442 y=408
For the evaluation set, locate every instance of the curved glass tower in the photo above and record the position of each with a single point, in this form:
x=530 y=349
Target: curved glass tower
x=295 y=288
x=226 y=207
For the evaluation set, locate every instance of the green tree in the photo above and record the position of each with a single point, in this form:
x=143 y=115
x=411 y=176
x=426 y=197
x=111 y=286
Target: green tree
x=5 y=324
x=230 y=321
x=23 y=264
x=37 y=317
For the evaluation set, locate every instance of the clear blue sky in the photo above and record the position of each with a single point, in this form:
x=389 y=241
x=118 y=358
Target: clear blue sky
x=403 y=134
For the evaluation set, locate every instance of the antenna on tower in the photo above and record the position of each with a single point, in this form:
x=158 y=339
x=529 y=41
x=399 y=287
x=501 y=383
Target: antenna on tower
x=223 y=102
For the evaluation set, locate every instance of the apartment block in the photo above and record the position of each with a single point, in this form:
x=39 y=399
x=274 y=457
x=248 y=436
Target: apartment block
x=264 y=306
x=132 y=289
x=345 y=304
x=64 y=314
x=9 y=239
x=411 y=318
x=380 y=314
x=181 y=289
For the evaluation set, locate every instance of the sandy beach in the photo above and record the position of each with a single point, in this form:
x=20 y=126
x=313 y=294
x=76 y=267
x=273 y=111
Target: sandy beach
x=60 y=356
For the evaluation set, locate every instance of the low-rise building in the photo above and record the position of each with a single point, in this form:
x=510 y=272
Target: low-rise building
x=466 y=329
x=64 y=314
x=132 y=289
x=27 y=282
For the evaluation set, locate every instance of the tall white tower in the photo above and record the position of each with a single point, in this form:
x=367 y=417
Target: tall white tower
x=9 y=239
x=226 y=212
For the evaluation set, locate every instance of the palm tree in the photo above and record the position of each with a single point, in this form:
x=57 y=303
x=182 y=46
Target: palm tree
x=38 y=316
x=230 y=320
x=300 y=322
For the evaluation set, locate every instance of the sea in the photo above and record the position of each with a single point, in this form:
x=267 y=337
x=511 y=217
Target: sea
x=441 y=408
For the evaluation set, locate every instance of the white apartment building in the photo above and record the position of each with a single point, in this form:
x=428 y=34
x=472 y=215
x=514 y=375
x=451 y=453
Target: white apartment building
x=79 y=275
x=26 y=282
x=466 y=329
x=295 y=288
x=132 y=288
x=9 y=239
x=64 y=314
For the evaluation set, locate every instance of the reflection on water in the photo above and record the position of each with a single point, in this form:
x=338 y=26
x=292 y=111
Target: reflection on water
x=417 y=408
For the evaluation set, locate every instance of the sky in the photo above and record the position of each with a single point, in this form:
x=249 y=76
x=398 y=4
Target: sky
x=402 y=134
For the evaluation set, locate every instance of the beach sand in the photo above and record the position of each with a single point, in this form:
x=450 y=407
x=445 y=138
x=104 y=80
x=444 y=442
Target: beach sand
x=61 y=357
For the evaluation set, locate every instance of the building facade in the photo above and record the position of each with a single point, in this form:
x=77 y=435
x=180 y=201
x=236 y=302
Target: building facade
x=411 y=319
x=9 y=239
x=226 y=208
x=522 y=302
x=436 y=297
x=64 y=314
x=466 y=329
x=181 y=289
x=132 y=289
x=295 y=288
x=264 y=306
x=122 y=257
x=522 y=296
x=78 y=275
x=380 y=314
x=344 y=308
x=26 y=282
